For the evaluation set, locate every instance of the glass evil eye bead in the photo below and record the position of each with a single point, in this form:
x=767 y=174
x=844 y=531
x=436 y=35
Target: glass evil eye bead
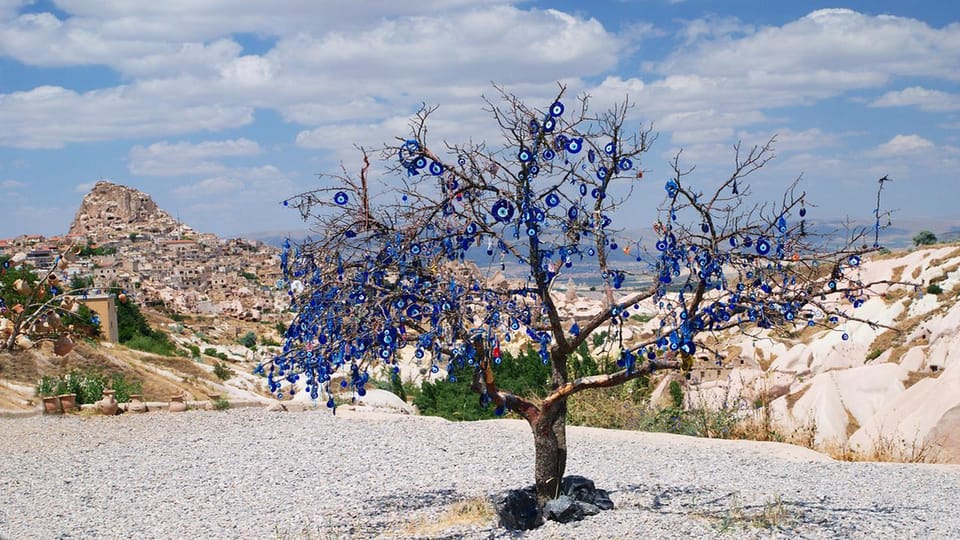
x=420 y=162
x=502 y=210
x=574 y=145
x=583 y=190
x=436 y=169
x=610 y=148
x=552 y=200
x=854 y=260
x=625 y=164
x=763 y=247
x=534 y=127
x=602 y=173
x=415 y=249
x=341 y=198
x=549 y=154
x=524 y=155
x=549 y=124
x=591 y=156
x=556 y=109
x=572 y=213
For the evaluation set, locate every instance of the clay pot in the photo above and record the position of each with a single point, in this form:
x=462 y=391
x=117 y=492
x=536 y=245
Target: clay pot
x=177 y=404
x=108 y=405
x=136 y=404
x=22 y=287
x=63 y=346
x=51 y=405
x=68 y=402
x=23 y=342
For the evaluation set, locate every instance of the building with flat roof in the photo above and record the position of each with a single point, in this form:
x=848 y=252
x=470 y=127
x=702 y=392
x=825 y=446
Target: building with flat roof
x=105 y=306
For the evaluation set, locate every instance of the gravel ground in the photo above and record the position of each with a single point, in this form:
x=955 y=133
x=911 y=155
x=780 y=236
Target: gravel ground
x=251 y=473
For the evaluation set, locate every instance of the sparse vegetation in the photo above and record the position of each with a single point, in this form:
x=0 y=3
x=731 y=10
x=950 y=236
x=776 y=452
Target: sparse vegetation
x=933 y=288
x=924 y=238
x=88 y=386
x=222 y=371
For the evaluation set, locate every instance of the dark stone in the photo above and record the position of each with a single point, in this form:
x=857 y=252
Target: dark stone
x=518 y=509
x=601 y=498
x=573 y=483
x=588 y=509
x=563 y=509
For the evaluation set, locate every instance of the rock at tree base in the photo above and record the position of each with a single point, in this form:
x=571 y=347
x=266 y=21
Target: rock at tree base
x=518 y=509
x=579 y=498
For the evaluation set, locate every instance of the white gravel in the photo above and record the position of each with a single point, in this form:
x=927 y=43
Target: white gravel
x=250 y=473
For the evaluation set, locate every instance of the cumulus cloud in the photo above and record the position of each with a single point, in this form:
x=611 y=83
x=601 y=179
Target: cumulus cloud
x=51 y=116
x=904 y=144
x=923 y=98
x=11 y=184
x=181 y=158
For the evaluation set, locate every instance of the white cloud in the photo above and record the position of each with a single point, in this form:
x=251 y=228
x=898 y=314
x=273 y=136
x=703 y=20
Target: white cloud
x=209 y=187
x=11 y=184
x=923 y=98
x=85 y=187
x=181 y=158
x=51 y=116
x=904 y=144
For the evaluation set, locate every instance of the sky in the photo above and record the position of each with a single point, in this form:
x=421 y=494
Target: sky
x=221 y=109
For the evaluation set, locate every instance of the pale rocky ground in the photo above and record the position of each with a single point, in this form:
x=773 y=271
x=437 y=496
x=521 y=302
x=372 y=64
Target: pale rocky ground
x=250 y=473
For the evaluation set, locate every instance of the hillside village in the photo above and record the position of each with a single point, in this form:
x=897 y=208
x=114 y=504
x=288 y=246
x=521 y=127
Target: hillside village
x=120 y=237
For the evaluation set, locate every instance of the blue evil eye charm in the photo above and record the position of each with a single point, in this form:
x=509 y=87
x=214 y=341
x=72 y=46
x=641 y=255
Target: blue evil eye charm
x=854 y=260
x=625 y=164
x=672 y=188
x=803 y=212
x=499 y=410
x=591 y=252
x=502 y=210
x=549 y=124
x=747 y=242
x=574 y=145
x=610 y=148
x=524 y=155
x=572 y=213
x=763 y=247
x=705 y=228
x=552 y=200
x=583 y=190
x=596 y=193
x=661 y=245
x=549 y=154
x=420 y=162
x=733 y=242
x=286 y=203
x=415 y=249
x=832 y=285
x=556 y=109
x=534 y=127
x=602 y=173
x=591 y=156
x=461 y=161
x=341 y=198
x=845 y=336
x=575 y=330
x=436 y=169
x=782 y=224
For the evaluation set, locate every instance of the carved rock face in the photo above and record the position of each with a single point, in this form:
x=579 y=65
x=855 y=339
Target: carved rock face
x=110 y=209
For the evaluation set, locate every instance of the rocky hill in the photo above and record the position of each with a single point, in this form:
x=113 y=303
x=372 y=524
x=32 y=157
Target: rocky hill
x=112 y=210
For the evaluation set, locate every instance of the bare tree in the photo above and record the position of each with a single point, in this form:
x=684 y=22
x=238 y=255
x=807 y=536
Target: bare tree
x=411 y=267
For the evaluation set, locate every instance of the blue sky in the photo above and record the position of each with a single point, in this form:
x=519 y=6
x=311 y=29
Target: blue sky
x=220 y=109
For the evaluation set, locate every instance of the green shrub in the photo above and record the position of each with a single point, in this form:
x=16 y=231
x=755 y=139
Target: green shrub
x=157 y=343
x=210 y=351
x=452 y=399
x=222 y=371
x=249 y=340
x=221 y=404
x=194 y=350
x=933 y=288
x=88 y=386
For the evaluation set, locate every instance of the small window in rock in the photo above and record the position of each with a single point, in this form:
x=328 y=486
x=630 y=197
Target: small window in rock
x=934 y=368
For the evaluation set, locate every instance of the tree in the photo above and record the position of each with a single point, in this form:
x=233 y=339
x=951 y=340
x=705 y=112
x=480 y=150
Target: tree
x=924 y=238
x=402 y=269
x=37 y=308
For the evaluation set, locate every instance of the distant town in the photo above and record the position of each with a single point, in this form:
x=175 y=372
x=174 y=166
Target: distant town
x=120 y=238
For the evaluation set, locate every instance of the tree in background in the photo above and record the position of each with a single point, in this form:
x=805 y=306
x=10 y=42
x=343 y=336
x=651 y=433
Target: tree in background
x=413 y=269
x=924 y=238
x=36 y=308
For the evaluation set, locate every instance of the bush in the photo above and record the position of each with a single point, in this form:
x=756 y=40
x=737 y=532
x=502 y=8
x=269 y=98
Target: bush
x=210 y=351
x=222 y=371
x=88 y=386
x=453 y=399
x=194 y=350
x=933 y=288
x=924 y=238
x=221 y=404
x=249 y=340
x=157 y=343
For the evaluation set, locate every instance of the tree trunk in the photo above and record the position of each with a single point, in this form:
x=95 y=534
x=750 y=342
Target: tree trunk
x=550 y=446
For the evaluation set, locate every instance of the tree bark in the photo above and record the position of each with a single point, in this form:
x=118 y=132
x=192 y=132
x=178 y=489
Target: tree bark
x=550 y=448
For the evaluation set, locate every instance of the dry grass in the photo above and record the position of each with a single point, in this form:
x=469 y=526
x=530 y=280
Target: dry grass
x=465 y=513
x=916 y=272
x=888 y=449
x=772 y=514
x=898 y=272
x=916 y=376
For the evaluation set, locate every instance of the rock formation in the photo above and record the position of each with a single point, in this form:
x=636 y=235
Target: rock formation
x=111 y=210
